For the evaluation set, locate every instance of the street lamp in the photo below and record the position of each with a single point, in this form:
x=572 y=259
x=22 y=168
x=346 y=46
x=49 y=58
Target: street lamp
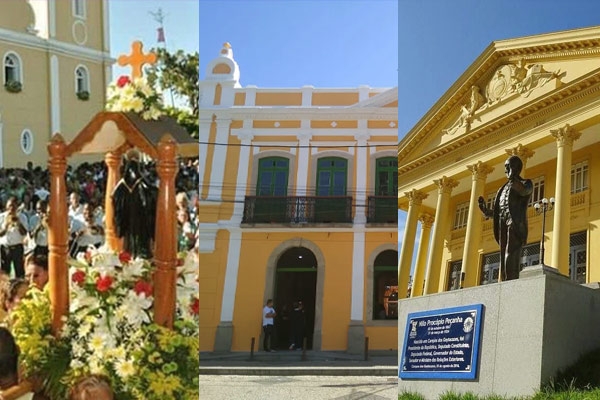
x=540 y=208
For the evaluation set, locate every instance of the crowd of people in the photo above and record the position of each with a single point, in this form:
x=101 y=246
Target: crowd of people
x=24 y=198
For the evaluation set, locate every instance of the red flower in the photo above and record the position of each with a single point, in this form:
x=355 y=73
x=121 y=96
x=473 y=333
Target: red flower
x=143 y=287
x=195 y=307
x=124 y=257
x=78 y=277
x=103 y=283
x=123 y=80
x=180 y=262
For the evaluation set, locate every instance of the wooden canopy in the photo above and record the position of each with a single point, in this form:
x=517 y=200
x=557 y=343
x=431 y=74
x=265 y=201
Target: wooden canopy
x=113 y=133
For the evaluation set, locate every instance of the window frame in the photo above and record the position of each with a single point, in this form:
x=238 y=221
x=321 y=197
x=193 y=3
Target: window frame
x=392 y=171
x=332 y=169
x=85 y=78
x=19 y=67
x=580 y=170
x=27 y=132
x=461 y=216
x=75 y=5
x=261 y=169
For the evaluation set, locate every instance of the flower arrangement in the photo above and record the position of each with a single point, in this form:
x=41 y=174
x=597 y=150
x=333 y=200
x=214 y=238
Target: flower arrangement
x=126 y=95
x=13 y=86
x=109 y=330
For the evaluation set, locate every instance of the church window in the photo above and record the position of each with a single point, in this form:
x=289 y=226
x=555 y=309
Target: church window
x=12 y=72
x=385 y=286
x=82 y=82
x=26 y=141
x=461 y=216
x=579 y=177
x=79 y=8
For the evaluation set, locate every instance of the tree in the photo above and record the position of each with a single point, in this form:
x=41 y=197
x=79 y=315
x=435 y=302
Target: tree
x=179 y=73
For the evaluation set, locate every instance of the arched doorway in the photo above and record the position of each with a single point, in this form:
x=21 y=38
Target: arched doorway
x=295 y=280
x=385 y=288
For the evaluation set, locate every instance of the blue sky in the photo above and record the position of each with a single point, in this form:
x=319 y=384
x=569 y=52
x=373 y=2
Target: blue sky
x=131 y=20
x=291 y=43
x=439 y=39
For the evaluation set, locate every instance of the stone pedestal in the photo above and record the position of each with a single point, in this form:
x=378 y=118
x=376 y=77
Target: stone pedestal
x=356 y=337
x=532 y=327
x=223 y=337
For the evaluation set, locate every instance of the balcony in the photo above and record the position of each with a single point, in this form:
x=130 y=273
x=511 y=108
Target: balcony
x=297 y=210
x=382 y=209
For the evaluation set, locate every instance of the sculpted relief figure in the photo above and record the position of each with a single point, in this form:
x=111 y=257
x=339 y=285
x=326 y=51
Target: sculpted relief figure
x=468 y=111
x=510 y=217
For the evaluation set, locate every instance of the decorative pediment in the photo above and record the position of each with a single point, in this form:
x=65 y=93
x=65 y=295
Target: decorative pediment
x=506 y=83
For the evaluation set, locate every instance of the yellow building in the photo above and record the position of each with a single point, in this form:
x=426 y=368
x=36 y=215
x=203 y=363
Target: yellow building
x=298 y=202
x=55 y=68
x=535 y=97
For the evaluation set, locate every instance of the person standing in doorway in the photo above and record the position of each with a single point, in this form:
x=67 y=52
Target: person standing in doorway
x=268 y=314
x=298 y=322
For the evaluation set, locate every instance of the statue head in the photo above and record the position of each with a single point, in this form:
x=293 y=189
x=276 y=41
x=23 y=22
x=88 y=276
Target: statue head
x=513 y=167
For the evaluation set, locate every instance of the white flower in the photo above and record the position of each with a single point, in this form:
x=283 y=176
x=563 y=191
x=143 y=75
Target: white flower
x=134 y=306
x=125 y=368
x=134 y=269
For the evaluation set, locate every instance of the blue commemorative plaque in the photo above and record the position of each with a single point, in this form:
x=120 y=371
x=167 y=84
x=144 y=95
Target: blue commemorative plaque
x=442 y=344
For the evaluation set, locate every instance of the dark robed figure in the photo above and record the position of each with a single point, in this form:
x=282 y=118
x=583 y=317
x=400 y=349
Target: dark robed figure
x=510 y=217
x=134 y=200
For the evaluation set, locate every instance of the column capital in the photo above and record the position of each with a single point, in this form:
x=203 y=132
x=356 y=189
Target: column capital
x=521 y=151
x=304 y=135
x=426 y=220
x=565 y=135
x=415 y=197
x=223 y=121
x=445 y=184
x=480 y=170
x=244 y=135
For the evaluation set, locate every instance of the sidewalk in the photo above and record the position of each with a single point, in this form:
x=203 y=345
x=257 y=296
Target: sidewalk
x=287 y=363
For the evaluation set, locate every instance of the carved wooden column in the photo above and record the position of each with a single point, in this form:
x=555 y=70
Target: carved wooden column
x=165 y=237
x=470 y=260
x=419 y=278
x=442 y=211
x=58 y=233
x=561 y=230
x=415 y=199
x=113 y=164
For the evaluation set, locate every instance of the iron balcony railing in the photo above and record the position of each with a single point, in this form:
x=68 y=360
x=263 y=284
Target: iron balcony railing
x=382 y=209
x=297 y=209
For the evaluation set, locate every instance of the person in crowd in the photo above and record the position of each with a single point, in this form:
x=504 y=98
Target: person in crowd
x=13 y=231
x=268 y=313
x=92 y=387
x=38 y=225
x=185 y=231
x=75 y=207
x=36 y=270
x=92 y=233
x=11 y=293
x=9 y=363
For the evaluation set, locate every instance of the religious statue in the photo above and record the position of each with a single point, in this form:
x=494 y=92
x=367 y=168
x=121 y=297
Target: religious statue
x=510 y=217
x=134 y=201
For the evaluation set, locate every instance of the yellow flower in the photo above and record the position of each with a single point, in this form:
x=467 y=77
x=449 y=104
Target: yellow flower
x=125 y=369
x=162 y=384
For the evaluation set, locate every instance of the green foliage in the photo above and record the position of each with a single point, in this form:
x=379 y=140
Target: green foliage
x=13 y=86
x=410 y=396
x=179 y=73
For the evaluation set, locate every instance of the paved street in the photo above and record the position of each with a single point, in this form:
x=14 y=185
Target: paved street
x=229 y=387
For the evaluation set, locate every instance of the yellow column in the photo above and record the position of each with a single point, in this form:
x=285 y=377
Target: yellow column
x=470 y=260
x=418 y=280
x=415 y=198
x=562 y=227
x=524 y=153
x=432 y=274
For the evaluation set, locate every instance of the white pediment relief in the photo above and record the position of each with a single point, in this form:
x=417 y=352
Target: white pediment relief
x=507 y=82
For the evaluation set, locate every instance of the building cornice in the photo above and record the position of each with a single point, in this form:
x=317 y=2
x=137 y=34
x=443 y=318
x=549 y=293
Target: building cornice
x=52 y=45
x=295 y=113
x=507 y=126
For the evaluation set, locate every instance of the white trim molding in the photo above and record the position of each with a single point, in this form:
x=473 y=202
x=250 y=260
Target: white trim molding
x=54 y=96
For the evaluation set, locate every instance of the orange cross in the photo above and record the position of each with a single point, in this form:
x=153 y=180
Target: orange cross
x=137 y=59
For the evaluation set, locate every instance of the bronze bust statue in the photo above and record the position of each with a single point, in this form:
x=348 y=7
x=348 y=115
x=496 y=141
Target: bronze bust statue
x=510 y=217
